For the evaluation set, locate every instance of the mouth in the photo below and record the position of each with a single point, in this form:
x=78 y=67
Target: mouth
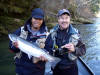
x=35 y=23
x=64 y=23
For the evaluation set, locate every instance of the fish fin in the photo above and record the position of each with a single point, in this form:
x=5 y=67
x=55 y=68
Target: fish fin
x=12 y=37
x=29 y=56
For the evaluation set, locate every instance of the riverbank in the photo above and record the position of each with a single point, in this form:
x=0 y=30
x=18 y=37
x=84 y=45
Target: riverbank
x=77 y=21
x=82 y=21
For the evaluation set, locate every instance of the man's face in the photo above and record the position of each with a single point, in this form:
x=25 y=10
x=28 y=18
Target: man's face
x=64 y=21
x=36 y=23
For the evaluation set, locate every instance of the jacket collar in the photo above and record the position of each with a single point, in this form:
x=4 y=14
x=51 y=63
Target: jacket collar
x=71 y=29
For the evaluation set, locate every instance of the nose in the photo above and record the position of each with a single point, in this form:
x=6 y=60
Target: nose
x=64 y=20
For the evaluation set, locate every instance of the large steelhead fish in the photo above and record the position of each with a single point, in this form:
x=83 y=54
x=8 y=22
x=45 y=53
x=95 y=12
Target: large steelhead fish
x=31 y=49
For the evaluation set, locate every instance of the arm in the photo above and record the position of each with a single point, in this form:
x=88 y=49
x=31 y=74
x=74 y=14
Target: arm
x=80 y=49
x=76 y=46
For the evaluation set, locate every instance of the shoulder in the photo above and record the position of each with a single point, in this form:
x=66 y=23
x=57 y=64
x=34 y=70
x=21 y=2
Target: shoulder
x=76 y=30
x=53 y=32
x=55 y=28
x=17 y=31
x=73 y=30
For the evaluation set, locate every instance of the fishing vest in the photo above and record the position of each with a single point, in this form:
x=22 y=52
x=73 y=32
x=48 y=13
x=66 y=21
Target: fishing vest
x=73 y=39
x=24 y=35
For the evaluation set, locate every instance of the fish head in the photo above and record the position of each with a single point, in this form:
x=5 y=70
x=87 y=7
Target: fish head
x=12 y=37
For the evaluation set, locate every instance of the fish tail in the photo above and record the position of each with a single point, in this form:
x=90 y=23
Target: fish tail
x=55 y=62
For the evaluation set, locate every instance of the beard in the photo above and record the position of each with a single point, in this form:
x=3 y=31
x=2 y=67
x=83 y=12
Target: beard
x=64 y=25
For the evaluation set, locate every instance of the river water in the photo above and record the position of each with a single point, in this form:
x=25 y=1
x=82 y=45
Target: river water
x=90 y=34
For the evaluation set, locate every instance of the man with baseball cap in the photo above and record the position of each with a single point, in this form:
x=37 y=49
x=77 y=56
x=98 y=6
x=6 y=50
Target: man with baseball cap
x=64 y=42
x=33 y=30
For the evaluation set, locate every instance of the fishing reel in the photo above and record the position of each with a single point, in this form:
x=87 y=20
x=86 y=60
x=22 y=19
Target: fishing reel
x=60 y=51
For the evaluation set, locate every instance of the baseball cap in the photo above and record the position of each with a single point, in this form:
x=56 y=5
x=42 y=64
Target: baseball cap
x=60 y=12
x=38 y=13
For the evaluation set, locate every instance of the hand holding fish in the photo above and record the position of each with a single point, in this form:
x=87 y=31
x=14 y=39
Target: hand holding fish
x=70 y=47
x=32 y=50
x=42 y=58
x=15 y=44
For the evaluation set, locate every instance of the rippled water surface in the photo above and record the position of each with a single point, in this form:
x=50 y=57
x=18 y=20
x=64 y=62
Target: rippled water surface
x=91 y=37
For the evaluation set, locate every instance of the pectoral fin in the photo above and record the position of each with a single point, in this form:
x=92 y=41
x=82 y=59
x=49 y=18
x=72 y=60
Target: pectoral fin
x=29 y=56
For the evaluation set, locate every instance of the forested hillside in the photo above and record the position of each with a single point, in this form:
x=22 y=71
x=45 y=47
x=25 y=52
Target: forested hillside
x=13 y=13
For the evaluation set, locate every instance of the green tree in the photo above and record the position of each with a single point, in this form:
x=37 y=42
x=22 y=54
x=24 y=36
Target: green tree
x=14 y=12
